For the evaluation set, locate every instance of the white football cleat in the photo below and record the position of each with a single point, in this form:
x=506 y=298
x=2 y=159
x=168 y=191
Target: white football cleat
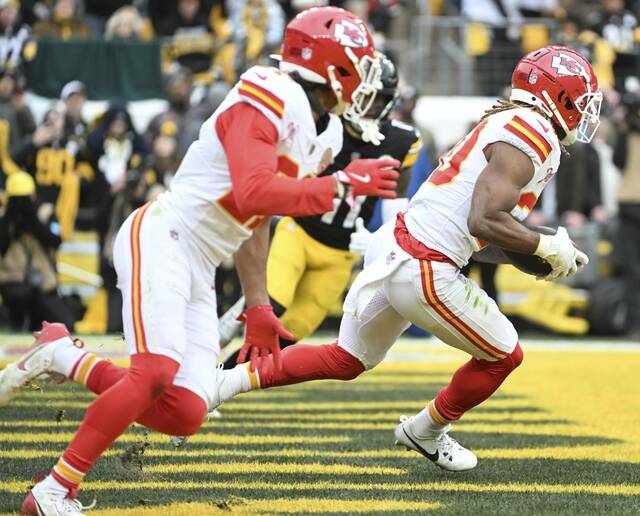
x=178 y=441
x=33 y=363
x=441 y=449
x=214 y=414
x=42 y=502
x=228 y=324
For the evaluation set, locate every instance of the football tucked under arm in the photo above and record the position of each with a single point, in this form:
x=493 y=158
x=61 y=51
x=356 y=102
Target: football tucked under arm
x=490 y=254
x=530 y=263
x=527 y=263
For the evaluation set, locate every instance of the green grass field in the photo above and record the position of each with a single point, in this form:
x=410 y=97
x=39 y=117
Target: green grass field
x=562 y=436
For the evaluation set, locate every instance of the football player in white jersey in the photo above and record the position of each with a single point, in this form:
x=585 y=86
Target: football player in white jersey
x=276 y=127
x=477 y=197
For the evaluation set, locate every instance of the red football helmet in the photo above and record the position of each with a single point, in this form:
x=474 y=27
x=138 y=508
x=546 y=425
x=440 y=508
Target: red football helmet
x=328 y=45
x=562 y=84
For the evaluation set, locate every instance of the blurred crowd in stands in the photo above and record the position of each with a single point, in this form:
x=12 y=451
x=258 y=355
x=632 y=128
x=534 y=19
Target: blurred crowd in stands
x=64 y=175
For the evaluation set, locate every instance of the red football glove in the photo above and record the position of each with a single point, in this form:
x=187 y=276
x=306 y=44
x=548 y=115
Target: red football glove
x=375 y=177
x=263 y=330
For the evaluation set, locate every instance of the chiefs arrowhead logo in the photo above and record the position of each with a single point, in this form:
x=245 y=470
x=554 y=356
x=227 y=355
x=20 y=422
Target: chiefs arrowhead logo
x=568 y=65
x=350 y=34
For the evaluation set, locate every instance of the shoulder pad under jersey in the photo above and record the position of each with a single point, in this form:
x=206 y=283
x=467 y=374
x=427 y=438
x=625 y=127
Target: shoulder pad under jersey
x=273 y=93
x=526 y=130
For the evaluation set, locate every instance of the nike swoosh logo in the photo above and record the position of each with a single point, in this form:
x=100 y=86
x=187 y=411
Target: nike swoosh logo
x=23 y=362
x=544 y=127
x=433 y=457
x=260 y=76
x=364 y=179
x=30 y=353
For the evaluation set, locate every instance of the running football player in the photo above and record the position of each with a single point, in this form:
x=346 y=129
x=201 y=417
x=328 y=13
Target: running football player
x=478 y=196
x=273 y=128
x=311 y=258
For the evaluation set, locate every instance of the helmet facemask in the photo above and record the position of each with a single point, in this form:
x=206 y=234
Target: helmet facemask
x=369 y=125
x=369 y=71
x=589 y=106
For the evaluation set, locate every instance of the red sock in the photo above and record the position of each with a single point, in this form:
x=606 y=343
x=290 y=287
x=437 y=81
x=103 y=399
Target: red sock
x=104 y=375
x=303 y=362
x=112 y=412
x=473 y=383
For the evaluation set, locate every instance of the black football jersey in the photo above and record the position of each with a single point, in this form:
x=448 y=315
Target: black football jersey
x=401 y=141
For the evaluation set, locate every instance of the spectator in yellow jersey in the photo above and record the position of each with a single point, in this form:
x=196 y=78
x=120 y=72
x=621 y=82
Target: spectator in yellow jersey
x=258 y=26
x=64 y=22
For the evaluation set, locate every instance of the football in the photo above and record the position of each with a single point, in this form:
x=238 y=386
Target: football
x=530 y=263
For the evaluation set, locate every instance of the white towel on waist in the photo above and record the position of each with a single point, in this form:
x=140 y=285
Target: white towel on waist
x=371 y=279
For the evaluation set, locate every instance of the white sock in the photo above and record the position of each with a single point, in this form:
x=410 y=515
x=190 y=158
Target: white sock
x=51 y=485
x=237 y=380
x=423 y=425
x=65 y=357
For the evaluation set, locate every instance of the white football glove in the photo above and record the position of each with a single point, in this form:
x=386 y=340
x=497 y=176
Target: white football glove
x=565 y=259
x=360 y=238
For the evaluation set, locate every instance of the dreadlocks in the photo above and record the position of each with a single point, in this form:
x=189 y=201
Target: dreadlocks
x=504 y=105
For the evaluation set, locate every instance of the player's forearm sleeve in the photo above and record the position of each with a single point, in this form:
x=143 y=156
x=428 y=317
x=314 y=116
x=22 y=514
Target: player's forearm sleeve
x=250 y=140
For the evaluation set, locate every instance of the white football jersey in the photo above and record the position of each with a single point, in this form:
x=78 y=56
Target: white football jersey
x=201 y=194
x=437 y=214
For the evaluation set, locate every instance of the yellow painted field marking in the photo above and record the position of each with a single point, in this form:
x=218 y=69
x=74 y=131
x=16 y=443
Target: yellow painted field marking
x=239 y=404
x=328 y=406
x=402 y=379
x=58 y=394
x=505 y=428
x=233 y=440
x=226 y=468
x=501 y=416
x=205 y=453
x=388 y=416
x=613 y=452
x=428 y=487
x=278 y=506
x=623 y=452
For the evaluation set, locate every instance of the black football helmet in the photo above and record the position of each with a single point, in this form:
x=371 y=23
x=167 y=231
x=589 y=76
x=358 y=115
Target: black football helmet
x=387 y=96
x=368 y=126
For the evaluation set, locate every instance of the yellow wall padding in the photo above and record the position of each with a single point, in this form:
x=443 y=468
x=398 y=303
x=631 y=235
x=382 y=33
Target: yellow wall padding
x=67 y=204
x=534 y=36
x=478 y=39
x=95 y=318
